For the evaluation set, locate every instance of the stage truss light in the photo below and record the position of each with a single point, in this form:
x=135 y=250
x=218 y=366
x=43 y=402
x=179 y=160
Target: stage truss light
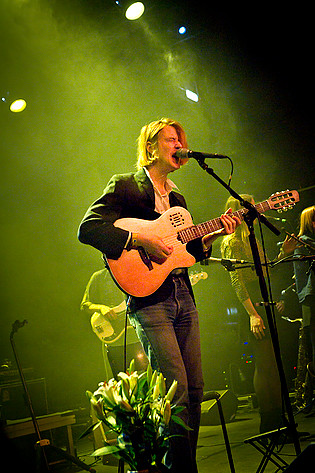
x=192 y=95
x=134 y=11
x=18 y=105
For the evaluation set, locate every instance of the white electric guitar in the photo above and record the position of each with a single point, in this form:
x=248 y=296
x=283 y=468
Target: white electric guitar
x=139 y=274
x=110 y=331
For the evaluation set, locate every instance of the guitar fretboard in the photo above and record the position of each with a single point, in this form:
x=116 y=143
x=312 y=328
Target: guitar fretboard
x=197 y=231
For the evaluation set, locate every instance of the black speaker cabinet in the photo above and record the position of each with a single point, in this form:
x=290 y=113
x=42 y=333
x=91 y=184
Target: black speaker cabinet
x=304 y=463
x=13 y=400
x=209 y=409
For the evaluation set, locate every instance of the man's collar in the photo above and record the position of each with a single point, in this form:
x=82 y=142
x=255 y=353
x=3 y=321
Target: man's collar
x=169 y=184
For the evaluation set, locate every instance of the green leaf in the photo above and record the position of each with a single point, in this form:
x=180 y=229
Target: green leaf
x=107 y=450
x=180 y=422
x=90 y=429
x=177 y=409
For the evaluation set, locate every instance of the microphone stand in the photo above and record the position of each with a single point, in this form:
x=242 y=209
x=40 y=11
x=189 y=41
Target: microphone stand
x=41 y=444
x=249 y=218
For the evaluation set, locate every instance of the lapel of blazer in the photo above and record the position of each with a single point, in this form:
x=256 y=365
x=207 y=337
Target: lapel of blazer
x=145 y=186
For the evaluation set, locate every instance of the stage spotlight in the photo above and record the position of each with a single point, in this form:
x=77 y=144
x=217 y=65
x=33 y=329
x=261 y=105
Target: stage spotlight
x=134 y=11
x=182 y=30
x=192 y=95
x=18 y=105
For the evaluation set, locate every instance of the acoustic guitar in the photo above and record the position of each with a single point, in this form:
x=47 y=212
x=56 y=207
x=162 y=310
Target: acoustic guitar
x=138 y=274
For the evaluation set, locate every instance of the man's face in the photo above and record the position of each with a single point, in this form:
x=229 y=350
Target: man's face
x=168 y=144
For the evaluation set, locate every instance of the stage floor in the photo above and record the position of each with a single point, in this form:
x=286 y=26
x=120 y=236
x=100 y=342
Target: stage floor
x=211 y=454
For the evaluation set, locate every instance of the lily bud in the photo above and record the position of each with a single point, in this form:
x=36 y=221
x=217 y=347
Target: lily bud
x=162 y=385
x=156 y=391
x=126 y=406
x=149 y=374
x=171 y=392
x=153 y=379
x=167 y=412
x=131 y=366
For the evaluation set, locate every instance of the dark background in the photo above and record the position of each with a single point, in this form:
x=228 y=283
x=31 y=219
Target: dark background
x=91 y=80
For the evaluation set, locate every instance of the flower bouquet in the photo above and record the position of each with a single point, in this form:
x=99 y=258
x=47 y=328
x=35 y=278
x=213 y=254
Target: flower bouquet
x=138 y=410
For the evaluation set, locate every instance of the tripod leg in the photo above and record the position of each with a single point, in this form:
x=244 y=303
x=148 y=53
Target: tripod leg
x=41 y=461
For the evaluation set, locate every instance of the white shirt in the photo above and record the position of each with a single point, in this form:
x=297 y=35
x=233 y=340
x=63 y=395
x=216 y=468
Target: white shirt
x=162 y=201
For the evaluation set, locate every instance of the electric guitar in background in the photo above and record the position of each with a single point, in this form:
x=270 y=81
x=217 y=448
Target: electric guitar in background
x=110 y=331
x=139 y=274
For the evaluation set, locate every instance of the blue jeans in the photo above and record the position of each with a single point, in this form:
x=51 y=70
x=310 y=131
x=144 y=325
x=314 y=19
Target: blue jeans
x=169 y=333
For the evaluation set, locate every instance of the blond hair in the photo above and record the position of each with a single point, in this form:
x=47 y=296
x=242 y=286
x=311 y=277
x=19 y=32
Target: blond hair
x=241 y=231
x=306 y=220
x=149 y=135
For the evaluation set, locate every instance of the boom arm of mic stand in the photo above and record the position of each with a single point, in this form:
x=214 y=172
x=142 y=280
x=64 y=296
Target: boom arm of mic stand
x=244 y=203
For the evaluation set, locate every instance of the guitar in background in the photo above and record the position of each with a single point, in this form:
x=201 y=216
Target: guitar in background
x=110 y=331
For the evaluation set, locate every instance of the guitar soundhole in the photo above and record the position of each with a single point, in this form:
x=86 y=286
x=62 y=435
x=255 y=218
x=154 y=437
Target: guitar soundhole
x=177 y=219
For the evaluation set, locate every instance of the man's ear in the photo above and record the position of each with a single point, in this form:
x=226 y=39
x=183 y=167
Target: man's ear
x=149 y=147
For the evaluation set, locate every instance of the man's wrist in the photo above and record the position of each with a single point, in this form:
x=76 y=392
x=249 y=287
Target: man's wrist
x=133 y=242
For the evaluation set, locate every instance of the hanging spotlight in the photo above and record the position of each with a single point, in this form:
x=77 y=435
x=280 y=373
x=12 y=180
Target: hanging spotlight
x=134 y=11
x=182 y=30
x=18 y=105
x=192 y=95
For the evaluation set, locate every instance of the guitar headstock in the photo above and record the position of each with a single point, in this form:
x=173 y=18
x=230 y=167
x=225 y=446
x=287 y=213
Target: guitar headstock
x=284 y=200
x=195 y=277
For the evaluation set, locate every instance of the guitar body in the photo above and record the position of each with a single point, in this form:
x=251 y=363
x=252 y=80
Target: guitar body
x=109 y=332
x=131 y=272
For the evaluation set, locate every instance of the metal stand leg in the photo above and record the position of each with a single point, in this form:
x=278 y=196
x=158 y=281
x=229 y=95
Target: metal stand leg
x=215 y=395
x=265 y=444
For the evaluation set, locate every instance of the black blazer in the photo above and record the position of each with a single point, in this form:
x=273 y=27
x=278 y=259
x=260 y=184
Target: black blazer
x=127 y=195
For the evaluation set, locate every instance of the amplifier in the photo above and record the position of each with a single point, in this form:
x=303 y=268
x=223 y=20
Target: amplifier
x=13 y=399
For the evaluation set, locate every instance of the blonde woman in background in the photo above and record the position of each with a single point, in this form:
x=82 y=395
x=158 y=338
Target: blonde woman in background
x=246 y=285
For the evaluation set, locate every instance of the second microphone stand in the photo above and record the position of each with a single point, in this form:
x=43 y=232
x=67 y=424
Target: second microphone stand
x=249 y=218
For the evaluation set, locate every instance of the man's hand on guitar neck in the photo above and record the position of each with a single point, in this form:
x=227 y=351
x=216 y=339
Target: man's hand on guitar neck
x=230 y=223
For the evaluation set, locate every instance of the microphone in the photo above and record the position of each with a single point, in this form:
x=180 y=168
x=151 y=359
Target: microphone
x=184 y=153
x=224 y=261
